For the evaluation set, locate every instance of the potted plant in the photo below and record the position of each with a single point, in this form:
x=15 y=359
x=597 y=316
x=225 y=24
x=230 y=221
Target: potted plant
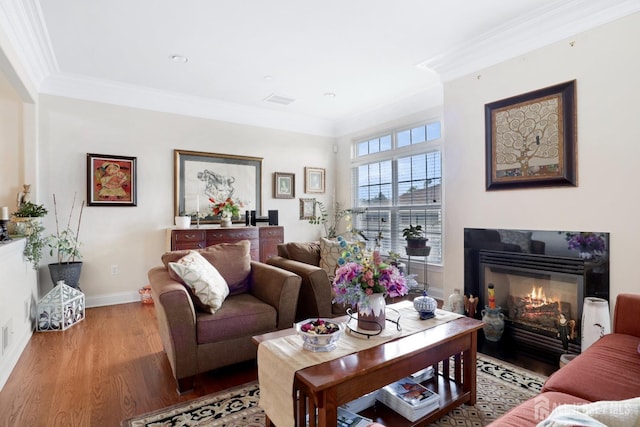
x=27 y=223
x=416 y=242
x=66 y=245
x=331 y=225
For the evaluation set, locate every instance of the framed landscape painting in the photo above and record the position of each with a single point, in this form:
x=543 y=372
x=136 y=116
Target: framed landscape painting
x=199 y=176
x=111 y=180
x=531 y=139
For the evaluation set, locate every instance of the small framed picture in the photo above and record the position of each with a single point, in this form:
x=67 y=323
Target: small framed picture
x=314 y=180
x=111 y=180
x=307 y=208
x=284 y=185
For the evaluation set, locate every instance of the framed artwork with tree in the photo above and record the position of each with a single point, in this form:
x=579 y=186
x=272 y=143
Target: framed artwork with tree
x=531 y=139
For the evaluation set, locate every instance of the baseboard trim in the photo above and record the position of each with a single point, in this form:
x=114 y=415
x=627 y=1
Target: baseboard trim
x=111 y=299
x=10 y=360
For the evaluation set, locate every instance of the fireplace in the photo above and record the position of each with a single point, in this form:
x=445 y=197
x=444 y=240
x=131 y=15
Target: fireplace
x=540 y=284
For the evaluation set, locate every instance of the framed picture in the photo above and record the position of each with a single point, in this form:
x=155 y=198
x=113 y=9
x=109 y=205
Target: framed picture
x=284 y=185
x=111 y=180
x=200 y=176
x=313 y=180
x=531 y=139
x=307 y=208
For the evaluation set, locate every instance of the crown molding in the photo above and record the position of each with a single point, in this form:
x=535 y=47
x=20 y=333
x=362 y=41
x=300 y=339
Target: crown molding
x=542 y=27
x=111 y=92
x=27 y=32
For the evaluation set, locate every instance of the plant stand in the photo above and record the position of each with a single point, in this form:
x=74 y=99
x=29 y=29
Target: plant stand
x=422 y=252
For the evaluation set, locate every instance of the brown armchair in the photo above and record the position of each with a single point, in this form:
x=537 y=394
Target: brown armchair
x=316 y=294
x=262 y=298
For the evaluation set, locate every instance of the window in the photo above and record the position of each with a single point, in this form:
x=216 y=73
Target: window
x=399 y=182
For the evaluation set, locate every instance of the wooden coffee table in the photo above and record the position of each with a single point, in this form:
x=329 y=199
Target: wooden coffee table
x=322 y=388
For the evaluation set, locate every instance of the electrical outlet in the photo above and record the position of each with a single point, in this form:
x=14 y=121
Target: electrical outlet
x=114 y=269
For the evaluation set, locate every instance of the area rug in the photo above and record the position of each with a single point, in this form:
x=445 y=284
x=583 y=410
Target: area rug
x=500 y=387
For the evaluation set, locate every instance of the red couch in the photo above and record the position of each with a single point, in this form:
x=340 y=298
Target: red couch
x=608 y=370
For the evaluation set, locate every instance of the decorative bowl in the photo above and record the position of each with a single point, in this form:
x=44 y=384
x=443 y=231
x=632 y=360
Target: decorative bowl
x=317 y=338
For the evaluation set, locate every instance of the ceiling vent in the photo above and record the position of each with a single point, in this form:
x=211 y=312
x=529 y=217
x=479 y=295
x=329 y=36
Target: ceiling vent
x=277 y=99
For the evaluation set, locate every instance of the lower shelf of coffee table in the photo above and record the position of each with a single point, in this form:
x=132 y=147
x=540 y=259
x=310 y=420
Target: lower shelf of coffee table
x=451 y=396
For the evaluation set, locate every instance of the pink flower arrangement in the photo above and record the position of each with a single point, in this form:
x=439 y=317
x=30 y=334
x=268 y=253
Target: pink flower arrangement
x=360 y=274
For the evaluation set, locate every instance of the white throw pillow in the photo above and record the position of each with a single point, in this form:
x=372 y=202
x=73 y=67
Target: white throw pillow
x=205 y=281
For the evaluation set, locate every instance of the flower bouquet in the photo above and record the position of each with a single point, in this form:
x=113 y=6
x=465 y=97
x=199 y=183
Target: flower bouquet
x=227 y=208
x=361 y=274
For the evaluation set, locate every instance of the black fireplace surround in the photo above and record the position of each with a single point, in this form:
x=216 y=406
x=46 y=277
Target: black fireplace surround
x=513 y=260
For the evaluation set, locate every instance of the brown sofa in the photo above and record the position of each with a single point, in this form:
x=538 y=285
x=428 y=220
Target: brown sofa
x=262 y=298
x=608 y=370
x=316 y=293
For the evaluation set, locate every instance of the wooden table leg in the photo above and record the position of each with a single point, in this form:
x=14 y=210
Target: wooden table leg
x=469 y=368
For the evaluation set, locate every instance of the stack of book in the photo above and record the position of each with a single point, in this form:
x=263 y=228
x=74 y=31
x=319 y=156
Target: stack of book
x=409 y=398
x=423 y=375
x=361 y=403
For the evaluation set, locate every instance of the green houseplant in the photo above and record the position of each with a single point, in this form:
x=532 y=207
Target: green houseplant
x=67 y=247
x=331 y=224
x=30 y=210
x=416 y=242
x=27 y=221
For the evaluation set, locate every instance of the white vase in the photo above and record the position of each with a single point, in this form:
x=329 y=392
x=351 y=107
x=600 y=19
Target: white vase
x=373 y=316
x=456 y=302
x=183 y=221
x=225 y=221
x=596 y=321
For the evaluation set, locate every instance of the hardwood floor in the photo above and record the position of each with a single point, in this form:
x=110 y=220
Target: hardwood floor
x=107 y=368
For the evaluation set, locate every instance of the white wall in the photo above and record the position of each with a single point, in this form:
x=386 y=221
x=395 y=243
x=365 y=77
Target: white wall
x=11 y=172
x=608 y=88
x=133 y=238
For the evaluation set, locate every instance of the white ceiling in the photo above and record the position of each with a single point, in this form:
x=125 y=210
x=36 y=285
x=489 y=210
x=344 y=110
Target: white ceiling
x=369 y=53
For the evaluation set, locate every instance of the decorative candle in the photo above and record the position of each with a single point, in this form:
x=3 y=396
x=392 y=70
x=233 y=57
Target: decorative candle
x=4 y=215
x=198 y=203
x=492 y=296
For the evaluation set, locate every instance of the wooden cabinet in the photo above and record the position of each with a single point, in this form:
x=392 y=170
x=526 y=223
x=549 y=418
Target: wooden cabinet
x=270 y=237
x=188 y=239
x=264 y=240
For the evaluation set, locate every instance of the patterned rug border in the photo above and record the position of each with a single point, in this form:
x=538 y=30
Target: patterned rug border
x=529 y=380
x=250 y=415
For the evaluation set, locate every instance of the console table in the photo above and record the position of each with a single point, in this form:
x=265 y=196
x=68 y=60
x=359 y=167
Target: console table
x=264 y=239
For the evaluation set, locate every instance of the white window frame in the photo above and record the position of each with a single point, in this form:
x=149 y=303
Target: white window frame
x=393 y=240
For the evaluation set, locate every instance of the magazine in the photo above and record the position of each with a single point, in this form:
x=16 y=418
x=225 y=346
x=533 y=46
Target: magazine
x=349 y=419
x=410 y=399
x=414 y=394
